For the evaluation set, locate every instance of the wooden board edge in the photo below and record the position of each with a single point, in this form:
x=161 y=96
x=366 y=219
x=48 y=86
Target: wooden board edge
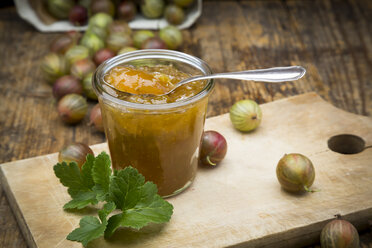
x=3 y=165
x=16 y=211
x=304 y=95
x=316 y=97
x=99 y=146
x=358 y=219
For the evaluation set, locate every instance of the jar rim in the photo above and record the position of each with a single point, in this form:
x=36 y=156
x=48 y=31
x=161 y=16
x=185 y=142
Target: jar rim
x=98 y=80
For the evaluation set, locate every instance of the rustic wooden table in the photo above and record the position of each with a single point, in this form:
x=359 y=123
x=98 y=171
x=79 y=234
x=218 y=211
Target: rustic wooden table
x=331 y=38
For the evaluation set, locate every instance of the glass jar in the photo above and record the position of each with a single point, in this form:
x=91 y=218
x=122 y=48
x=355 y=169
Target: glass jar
x=160 y=140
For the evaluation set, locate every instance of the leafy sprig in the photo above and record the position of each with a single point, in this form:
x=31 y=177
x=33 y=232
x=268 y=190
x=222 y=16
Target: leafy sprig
x=126 y=190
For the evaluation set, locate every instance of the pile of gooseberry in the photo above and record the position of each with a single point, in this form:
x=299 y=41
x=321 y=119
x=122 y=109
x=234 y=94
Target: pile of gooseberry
x=74 y=57
x=79 y=12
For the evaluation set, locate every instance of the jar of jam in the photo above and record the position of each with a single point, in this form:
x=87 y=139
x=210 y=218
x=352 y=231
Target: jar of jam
x=158 y=135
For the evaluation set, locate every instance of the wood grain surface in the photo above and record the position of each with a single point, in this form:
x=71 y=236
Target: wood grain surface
x=239 y=203
x=331 y=38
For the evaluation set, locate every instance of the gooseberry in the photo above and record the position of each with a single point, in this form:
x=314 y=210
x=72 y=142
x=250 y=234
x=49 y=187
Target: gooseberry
x=116 y=41
x=100 y=32
x=76 y=53
x=54 y=66
x=102 y=6
x=140 y=36
x=154 y=43
x=174 y=14
x=78 y=15
x=60 y=8
x=245 y=115
x=339 y=234
x=119 y=26
x=62 y=43
x=96 y=117
x=72 y=108
x=152 y=8
x=92 y=42
x=127 y=10
x=172 y=36
x=102 y=55
x=295 y=172
x=88 y=87
x=67 y=84
x=213 y=148
x=101 y=20
x=127 y=49
x=82 y=67
x=75 y=152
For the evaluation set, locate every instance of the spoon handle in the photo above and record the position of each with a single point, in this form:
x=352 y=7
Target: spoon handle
x=273 y=75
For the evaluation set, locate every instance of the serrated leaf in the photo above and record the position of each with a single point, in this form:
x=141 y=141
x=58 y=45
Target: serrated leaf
x=101 y=171
x=125 y=190
x=82 y=200
x=101 y=194
x=150 y=208
x=90 y=228
x=139 y=202
x=124 y=187
x=69 y=175
x=86 y=170
x=80 y=183
x=114 y=222
x=107 y=209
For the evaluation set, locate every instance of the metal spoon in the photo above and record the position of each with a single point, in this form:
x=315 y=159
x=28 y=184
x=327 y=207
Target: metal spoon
x=272 y=75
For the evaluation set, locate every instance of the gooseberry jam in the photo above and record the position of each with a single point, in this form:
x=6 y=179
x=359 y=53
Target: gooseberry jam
x=158 y=135
x=148 y=84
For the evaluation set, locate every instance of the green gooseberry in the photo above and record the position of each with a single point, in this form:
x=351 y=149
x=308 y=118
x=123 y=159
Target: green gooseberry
x=141 y=36
x=172 y=36
x=245 y=115
x=92 y=42
x=152 y=8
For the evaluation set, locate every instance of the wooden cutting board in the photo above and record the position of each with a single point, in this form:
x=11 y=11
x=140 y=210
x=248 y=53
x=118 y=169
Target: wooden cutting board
x=239 y=203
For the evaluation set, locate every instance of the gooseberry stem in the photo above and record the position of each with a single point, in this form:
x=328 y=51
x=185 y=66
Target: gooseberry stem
x=209 y=161
x=338 y=216
x=367 y=147
x=310 y=190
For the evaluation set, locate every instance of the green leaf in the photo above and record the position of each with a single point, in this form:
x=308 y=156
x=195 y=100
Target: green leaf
x=125 y=190
x=151 y=208
x=69 y=175
x=90 y=228
x=81 y=186
x=101 y=194
x=113 y=223
x=86 y=170
x=139 y=202
x=82 y=200
x=107 y=209
x=125 y=186
x=101 y=171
